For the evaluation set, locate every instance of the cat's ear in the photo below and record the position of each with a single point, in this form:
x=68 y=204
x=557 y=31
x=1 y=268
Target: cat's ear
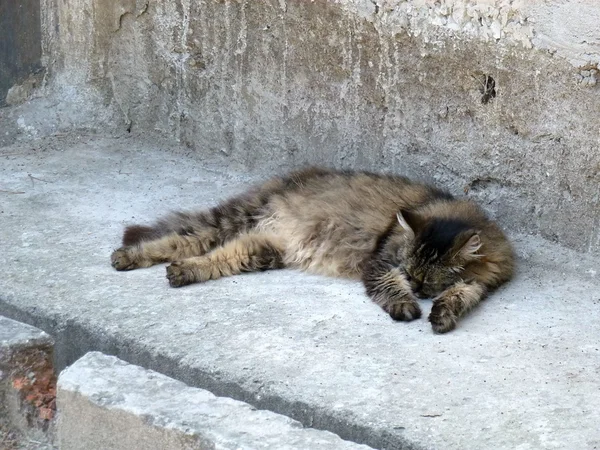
x=468 y=246
x=408 y=220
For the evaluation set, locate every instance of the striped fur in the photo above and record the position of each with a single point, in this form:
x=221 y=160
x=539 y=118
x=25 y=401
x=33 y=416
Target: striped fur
x=402 y=239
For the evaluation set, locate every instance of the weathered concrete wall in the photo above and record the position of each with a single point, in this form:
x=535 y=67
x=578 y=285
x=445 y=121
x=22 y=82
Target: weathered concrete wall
x=494 y=98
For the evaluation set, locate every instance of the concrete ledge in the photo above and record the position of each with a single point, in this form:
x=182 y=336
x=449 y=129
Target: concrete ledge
x=519 y=372
x=27 y=381
x=109 y=404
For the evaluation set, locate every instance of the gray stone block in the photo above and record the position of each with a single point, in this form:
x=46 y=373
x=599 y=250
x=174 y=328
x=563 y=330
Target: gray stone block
x=17 y=336
x=106 y=403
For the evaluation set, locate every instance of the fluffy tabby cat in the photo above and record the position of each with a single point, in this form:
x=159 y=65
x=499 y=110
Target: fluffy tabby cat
x=401 y=238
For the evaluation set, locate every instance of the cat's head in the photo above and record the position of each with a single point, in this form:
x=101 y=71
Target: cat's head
x=436 y=252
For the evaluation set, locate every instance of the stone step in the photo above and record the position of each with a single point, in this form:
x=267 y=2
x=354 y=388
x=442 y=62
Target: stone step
x=106 y=403
x=520 y=371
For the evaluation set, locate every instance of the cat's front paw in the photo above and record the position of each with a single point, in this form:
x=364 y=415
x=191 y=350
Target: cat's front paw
x=442 y=318
x=404 y=310
x=123 y=259
x=180 y=275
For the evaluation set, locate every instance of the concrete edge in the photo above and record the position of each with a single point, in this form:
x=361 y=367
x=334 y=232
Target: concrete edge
x=104 y=402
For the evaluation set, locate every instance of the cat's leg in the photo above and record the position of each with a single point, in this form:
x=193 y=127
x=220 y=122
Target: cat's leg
x=171 y=247
x=387 y=286
x=454 y=302
x=248 y=253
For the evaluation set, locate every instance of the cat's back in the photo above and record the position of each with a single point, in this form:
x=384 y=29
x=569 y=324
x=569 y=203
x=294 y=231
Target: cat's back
x=331 y=220
x=348 y=193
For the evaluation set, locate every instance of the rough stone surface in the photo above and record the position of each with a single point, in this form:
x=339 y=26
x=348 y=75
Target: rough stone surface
x=16 y=336
x=106 y=403
x=520 y=372
x=497 y=97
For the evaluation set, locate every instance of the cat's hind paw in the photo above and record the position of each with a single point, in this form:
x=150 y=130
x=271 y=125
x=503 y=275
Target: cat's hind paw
x=404 y=311
x=442 y=318
x=122 y=259
x=180 y=275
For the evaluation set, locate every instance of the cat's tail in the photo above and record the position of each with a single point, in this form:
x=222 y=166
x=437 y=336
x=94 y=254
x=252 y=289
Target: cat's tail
x=134 y=234
x=180 y=223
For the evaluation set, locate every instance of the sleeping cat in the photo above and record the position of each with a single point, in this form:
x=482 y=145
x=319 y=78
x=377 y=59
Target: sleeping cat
x=401 y=238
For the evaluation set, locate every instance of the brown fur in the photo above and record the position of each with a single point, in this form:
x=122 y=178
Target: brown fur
x=138 y=233
x=402 y=239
